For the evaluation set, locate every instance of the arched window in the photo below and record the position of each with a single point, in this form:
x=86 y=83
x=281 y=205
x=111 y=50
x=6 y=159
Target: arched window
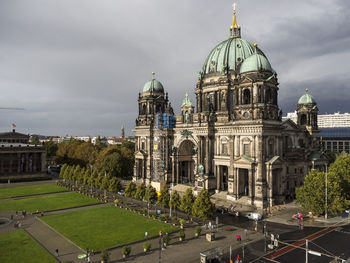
x=144 y=109
x=246 y=96
x=268 y=96
x=303 y=119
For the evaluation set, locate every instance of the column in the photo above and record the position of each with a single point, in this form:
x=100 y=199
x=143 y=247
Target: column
x=237 y=183
x=173 y=170
x=237 y=153
x=217 y=176
x=207 y=157
x=250 y=182
x=177 y=171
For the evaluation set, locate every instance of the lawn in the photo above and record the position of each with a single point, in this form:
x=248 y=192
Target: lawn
x=47 y=202
x=105 y=227
x=18 y=246
x=30 y=190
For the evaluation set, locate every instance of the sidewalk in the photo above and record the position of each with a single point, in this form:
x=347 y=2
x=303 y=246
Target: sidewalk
x=284 y=216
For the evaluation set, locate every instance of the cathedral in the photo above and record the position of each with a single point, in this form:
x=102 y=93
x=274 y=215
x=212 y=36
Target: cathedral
x=233 y=139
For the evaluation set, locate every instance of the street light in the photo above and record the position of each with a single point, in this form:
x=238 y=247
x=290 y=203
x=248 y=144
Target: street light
x=170 y=192
x=325 y=214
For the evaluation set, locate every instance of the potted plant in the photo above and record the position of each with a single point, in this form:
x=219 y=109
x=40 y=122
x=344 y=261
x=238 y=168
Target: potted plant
x=198 y=231
x=146 y=246
x=104 y=256
x=126 y=251
x=166 y=240
x=182 y=235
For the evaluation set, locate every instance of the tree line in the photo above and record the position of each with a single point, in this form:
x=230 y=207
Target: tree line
x=199 y=206
x=312 y=194
x=116 y=160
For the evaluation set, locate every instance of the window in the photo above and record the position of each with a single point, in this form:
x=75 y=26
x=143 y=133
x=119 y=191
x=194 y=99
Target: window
x=224 y=149
x=341 y=147
x=271 y=149
x=303 y=119
x=335 y=146
x=246 y=149
x=347 y=147
x=142 y=145
x=329 y=146
x=295 y=170
x=246 y=96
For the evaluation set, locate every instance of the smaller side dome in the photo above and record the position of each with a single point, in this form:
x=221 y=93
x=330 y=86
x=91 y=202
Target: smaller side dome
x=256 y=62
x=307 y=99
x=186 y=101
x=153 y=86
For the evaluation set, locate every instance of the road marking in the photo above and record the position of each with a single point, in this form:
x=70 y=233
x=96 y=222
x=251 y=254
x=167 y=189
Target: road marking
x=288 y=248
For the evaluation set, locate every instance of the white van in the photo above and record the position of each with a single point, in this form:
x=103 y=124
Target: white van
x=254 y=216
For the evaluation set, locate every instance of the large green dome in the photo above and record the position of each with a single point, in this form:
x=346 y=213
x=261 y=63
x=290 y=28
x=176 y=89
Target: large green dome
x=229 y=55
x=256 y=62
x=153 y=86
x=307 y=99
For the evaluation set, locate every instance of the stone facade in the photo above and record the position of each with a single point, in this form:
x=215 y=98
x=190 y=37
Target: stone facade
x=236 y=140
x=17 y=156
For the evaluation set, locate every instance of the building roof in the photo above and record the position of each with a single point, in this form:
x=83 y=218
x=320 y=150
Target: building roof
x=13 y=134
x=153 y=85
x=307 y=99
x=342 y=132
x=186 y=101
x=256 y=62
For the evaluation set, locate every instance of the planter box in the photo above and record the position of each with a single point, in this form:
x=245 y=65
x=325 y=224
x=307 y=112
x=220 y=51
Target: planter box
x=210 y=237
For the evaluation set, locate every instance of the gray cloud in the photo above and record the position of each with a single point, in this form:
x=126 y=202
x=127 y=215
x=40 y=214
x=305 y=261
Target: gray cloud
x=77 y=66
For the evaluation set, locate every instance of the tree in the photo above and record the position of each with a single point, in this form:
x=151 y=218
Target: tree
x=203 y=207
x=98 y=180
x=51 y=148
x=151 y=194
x=114 y=185
x=34 y=139
x=164 y=197
x=140 y=192
x=187 y=201
x=341 y=167
x=105 y=181
x=311 y=195
x=130 y=190
x=63 y=171
x=175 y=200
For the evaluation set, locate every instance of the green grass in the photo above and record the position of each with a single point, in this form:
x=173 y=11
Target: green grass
x=30 y=190
x=105 y=227
x=18 y=246
x=47 y=202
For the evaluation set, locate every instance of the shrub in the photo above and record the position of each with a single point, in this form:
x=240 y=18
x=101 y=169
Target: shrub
x=147 y=246
x=126 y=251
x=166 y=239
x=182 y=234
x=182 y=221
x=198 y=230
x=105 y=255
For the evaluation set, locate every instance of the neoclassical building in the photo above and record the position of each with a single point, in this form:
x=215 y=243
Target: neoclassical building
x=18 y=157
x=233 y=139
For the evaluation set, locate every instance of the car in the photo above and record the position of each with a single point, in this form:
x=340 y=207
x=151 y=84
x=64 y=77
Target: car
x=121 y=192
x=254 y=216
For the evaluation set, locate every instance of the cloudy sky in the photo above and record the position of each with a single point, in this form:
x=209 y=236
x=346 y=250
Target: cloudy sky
x=77 y=66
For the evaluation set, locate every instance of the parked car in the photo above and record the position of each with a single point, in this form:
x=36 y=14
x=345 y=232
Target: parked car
x=254 y=216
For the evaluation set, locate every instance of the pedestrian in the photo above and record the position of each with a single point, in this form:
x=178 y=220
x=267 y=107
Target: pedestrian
x=56 y=252
x=239 y=239
x=301 y=225
x=16 y=213
x=146 y=235
x=88 y=259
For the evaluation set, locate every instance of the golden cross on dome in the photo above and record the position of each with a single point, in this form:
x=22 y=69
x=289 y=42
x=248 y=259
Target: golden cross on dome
x=234 y=7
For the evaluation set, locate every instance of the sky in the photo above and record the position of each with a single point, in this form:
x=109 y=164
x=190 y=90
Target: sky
x=76 y=66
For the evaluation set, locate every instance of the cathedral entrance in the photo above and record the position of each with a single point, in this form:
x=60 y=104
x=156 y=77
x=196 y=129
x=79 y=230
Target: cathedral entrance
x=243 y=182
x=223 y=172
x=186 y=163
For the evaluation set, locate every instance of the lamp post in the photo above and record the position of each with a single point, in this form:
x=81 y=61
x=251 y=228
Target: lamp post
x=326 y=204
x=170 y=192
